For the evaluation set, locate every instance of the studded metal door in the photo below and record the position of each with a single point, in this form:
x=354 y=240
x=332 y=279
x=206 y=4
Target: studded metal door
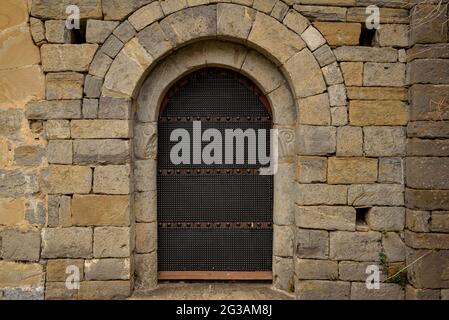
x=215 y=221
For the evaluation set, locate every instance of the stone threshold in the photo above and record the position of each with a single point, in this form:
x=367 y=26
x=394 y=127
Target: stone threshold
x=212 y=291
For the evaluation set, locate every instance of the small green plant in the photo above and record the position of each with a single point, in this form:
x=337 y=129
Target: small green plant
x=399 y=278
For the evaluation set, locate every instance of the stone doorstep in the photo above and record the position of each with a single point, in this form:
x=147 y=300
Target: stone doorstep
x=212 y=291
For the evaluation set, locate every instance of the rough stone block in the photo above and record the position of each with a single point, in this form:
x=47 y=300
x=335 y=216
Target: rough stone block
x=337 y=95
x=100 y=129
x=114 y=108
x=332 y=74
x=67 y=57
x=376 y=194
x=16 y=274
x=351 y=170
x=15 y=183
x=391 y=170
x=440 y=221
x=321 y=194
x=145 y=141
x=92 y=86
x=312 y=244
x=311 y=169
x=153 y=39
x=324 y=55
x=427 y=199
x=10 y=122
x=59 y=211
x=97 y=30
x=384 y=141
x=146 y=16
x=23 y=246
x=352 y=73
x=104 y=290
x=322 y=13
x=67 y=179
x=416 y=220
x=234 y=20
x=428 y=129
x=377 y=113
x=56 y=269
x=145 y=206
x=412 y=293
x=57 y=129
x=109 y=151
x=11 y=211
x=29 y=155
x=384 y=74
x=316 y=140
x=70 y=242
x=349 y=141
x=357 y=246
x=326 y=217
x=125 y=31
x=112 y=46
x=63 y=109
x=394 y=247
x=105 y=248
x=340 y=34
x=90 y=108
x=107 y=269
x=113 y=179
x=146 y=237
x=323 y=290
x=145 y=175
x=59 y=291
x=59 y=152
x=100 y=210
x=428 y=23
x=56 y=10
x=366 y=54
x=424 y=147
x=387 y=291
x=313 y=38
x=386 y=218
x=427 y=240
x=432 y=71
x=377 y=93
x=356 y=271
x=145 y=271
x=387 y=15
x=316 y=269
x=427 y=173
x=37 y=29
x=64 y=85
x=339 y=116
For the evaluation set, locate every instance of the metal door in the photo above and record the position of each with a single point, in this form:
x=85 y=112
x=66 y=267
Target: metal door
x=214 y=221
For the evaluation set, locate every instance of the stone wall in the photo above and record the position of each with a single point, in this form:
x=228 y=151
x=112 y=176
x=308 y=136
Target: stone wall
x=77 y=173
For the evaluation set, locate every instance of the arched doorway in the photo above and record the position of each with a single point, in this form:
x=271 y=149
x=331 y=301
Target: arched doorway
x=215 y=211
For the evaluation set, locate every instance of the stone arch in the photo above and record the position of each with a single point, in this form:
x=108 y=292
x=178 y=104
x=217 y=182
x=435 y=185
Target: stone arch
x=283 y=58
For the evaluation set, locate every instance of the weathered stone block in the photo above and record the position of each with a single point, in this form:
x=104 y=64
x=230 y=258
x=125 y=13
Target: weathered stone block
x=107 y=269
x=428 y=23
x=357 y=246
x=366 y=54
x=394 y=247
x=67 y=179
x=109 y=151
x=57 y=129
x=100 y=129
x=146 y=15
x=387 y=15
x=73 y=242
x=349 y=141
x=16 y=274
x=316 y=269
x=332 y=74
x=313 y=38
x=99 y=210
x=97 y=30
x=352 y=73
x=340 y=34
x=324 y=55
x=424 y=147
x=427 y=173
x=321 y=194
x=59 y=152
x=384 y=74
x=339 y=116
x=337 y=95
x=356 y=271
x=323 y=290
x=29 y=155
x=423 y=51
x=92 y=86
x=312 y=244
x=146 y=237
x=311 y=169
x=429 y=272
x=153 y=39
x=112 y=46
x=386 y=218
x=279 y=10
x=67 y=57
x=432 y=71
x=412 y=293
x=283 y=241
x=387 y=291
x=377 y=113
x=11 y=211
x=427 y=240
x=15 y=183
x=64 y=109
x=283 y=203
x=10 y=122
x=56 y=269
x=145 y=175
x=56 y=32
x=392 y=35
x=118 y=10
x=316 y=140
x=325 y=217
x=104 y=290
x=234 y=20
x=114 y=108
x=145 y=271
x=56 y=9
x=440 y=221
x=113 y=179
x=417 y=220
x=23 y=246
x=145 y=206
x=37 y=29
x=428 y=129
x=305 y=73
x=125 y=31
x=376 y=194
x=105 y=248
x=322 y=13
x=377 y=93
x=427 y=199
x=59 y=291
x=384 y=141
x=427 y=102
x=90 y=108
x=351 y=170
x=59 y=211
x=391 y=170
x=314 y=110
x=64 y=85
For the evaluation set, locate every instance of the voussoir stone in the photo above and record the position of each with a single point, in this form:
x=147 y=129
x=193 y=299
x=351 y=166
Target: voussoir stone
x=119 y=9
x=16 y=274
x=64 y=85
x=316 y=140
x=234 y=20
x=73 y=242
x=146 y=15
x=67 y=57
x=98 y=30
